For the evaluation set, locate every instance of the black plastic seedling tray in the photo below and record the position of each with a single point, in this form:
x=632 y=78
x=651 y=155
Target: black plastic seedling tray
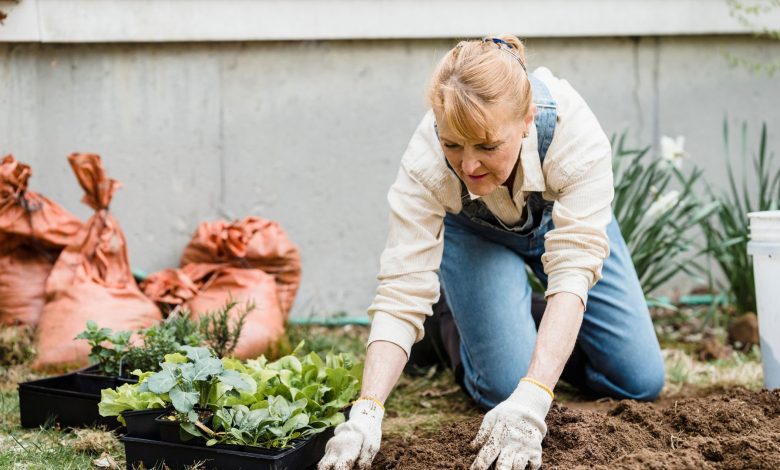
x=60 y=400
x=303 y=455
x=170 y=430
x=91 y=380
x=142 y=423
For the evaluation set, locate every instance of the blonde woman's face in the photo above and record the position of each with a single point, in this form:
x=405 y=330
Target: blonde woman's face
x=485 y=165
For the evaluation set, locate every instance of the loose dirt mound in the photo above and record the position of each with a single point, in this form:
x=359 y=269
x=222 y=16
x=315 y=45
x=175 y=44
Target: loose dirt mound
x=736 y=430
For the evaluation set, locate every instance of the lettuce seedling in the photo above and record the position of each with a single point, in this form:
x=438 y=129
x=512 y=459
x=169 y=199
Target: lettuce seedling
x=254 y=402
x=130 y=397
x=193 y=383
x=295 y=397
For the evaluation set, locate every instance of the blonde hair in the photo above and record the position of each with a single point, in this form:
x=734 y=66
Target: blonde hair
x=475 y=74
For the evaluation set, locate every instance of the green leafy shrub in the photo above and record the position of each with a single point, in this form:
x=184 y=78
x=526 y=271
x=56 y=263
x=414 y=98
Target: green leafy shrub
x=727 y=232
x=115 y=355
x=295 y=397
x=185 y=330
x=657 y=222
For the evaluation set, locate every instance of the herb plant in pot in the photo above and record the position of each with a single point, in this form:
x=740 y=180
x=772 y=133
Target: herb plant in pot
x=194 y=384
x=108 y=360
x=115 y=356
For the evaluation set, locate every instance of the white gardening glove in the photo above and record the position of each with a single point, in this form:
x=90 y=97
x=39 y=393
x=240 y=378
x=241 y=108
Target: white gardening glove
x=514 y=429
x=357 y=439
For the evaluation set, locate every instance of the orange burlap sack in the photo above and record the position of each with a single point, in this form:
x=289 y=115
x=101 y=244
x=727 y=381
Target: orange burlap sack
x=206 y=287
x=33 y=231
x=91 y=280
x=250 y=243
x=170 y=288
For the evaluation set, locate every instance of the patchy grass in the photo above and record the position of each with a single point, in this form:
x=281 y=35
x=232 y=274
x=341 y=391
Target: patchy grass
x=417 y=406
x=683 y=335
x=686 y=375
x=94 y=441
x=686 y=327
x=322 y=339
x=48 y=448
x=16 y=346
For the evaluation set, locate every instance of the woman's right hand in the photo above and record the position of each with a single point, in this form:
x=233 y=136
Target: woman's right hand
x=355 y=441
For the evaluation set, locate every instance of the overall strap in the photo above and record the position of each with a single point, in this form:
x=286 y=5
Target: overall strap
x=546 y=115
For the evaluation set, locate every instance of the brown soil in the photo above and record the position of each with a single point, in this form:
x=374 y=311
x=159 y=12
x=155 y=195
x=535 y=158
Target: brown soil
x=712 y=349
x=744 y=331
x=735 y=430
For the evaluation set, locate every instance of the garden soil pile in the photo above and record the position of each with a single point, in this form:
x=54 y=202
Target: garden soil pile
x=33 y=232
x=736 y=430
x=91 y=279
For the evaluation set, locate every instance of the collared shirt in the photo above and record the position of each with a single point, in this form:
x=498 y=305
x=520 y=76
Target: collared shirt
x=577 y=176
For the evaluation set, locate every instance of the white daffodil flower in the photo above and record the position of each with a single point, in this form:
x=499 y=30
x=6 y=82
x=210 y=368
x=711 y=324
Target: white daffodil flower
x=672 y=151
x=662 y=205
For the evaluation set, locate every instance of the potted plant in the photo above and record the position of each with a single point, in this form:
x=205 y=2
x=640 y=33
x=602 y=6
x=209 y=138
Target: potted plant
x=135 y=407
x=194 y=384
x=107 y=361
x=72 y=399
x=248 y=414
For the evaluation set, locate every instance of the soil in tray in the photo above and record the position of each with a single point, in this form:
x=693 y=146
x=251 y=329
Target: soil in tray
x=735 y=430
x=169 y=429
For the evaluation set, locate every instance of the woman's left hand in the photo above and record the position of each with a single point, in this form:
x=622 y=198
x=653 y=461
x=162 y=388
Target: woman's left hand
x=513 y=430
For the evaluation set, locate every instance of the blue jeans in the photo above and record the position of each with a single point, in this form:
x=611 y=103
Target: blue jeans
x=484 y=280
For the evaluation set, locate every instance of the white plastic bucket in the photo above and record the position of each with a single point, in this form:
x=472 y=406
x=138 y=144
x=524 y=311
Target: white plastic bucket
x=764 y=246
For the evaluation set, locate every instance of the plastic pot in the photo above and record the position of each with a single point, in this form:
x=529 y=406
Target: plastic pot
x=764 y=246
x=142 y=424
x=304 y=455
x=169 y=430
x=93 y=382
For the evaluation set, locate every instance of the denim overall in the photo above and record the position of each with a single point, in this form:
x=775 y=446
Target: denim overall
x=484 y=281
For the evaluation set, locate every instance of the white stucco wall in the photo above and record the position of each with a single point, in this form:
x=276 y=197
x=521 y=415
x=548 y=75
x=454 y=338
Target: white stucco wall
x=81 y=21
x=310 y=133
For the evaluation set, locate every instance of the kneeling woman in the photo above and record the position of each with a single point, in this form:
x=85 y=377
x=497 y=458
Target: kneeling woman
x=508 y=169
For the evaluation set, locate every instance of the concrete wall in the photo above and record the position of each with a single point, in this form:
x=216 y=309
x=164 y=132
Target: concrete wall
x=310 y=133
x=85 y=21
